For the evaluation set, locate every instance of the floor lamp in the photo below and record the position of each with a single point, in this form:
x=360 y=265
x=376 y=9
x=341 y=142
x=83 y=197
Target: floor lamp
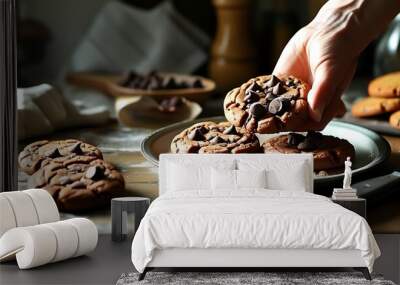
x=8 y=96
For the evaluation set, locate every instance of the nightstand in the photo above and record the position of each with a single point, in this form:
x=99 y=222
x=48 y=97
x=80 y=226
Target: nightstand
x=357 y=205
x=120 y=208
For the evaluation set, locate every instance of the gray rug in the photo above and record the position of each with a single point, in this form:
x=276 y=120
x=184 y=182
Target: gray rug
x=242 y=278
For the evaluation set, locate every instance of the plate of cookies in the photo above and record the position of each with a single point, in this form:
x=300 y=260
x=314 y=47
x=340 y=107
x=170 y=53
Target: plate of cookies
x=154 y=84
x=268 y=114
x=380 y=110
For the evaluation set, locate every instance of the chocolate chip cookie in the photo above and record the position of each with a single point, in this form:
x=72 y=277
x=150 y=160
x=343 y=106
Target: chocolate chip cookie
x=79 y=182
x=268 y=104
x=387 y=86
x=371 y=106
x=329 y=152
x=394 y=120
x=210 y=137
x=34 y=154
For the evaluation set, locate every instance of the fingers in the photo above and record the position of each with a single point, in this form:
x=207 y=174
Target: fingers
x=293 y=59
x=340 y=109
x=322 y=91
x=328 y=86
x=335 y=109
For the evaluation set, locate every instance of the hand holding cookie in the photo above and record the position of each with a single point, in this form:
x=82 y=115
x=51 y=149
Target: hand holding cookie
x=268 y=104
x=324 y=53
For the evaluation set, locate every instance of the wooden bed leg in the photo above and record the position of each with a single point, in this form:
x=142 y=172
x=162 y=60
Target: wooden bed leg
x=364 y=271
x=142 y=275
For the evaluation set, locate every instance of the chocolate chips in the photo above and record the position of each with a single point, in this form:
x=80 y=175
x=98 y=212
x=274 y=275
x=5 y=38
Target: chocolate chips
x=278 y=89
x=170 y=83
x=292 y=82
x=269 y=96
x=251 y=97
x=275 y=107
x=272 y=82
x=257 y=110
x=76 y=148
x=294 y=139
x=157 y=81
x=53 y=153
x=230 y=131
x=196 y=135
x=197 y=84
x=304 y=143
x=254 y=87
x=307 y=144
x=216 y=140
x=315 y=135
x=253 y=93
x=170 y=105
x=275 y=97
x=95 y=172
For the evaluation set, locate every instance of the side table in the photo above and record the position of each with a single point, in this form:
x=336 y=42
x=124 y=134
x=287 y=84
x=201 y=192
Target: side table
x=357 y=205
x=120 y=208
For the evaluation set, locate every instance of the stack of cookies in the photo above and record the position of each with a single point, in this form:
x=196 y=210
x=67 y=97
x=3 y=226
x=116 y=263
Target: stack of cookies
x=73 y=172
x=266 y=105
x=383 y=99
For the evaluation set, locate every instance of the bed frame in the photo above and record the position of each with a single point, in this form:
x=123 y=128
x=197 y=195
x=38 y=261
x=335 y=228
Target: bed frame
x=243 y=259
x=250 y=258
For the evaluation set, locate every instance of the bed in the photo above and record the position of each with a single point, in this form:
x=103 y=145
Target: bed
x=246 y=211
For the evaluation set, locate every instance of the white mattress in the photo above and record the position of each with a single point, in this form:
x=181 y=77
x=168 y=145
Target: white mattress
x=250 y=219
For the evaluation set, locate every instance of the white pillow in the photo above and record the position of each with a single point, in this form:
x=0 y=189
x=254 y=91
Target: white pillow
x=223 y=179
x=251 y=178
x=282 y=173
x=186 y=176
x=294 y=180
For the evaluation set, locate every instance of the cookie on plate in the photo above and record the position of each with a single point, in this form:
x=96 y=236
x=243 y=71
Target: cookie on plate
x=31 y=158
x=210 y=137
x=78 y=183
x=394 y=120
x=329 y=152
x=372 y=106
x=267 y=104
x=387 y=86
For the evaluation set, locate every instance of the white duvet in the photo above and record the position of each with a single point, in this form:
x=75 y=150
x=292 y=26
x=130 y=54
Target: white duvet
x=250 y=219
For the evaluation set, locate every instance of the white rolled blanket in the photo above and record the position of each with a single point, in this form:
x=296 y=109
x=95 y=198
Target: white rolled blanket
x=26 y=208
x=41 y=244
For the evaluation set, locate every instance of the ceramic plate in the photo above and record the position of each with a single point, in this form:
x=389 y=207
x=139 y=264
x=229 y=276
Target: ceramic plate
x=371 y=149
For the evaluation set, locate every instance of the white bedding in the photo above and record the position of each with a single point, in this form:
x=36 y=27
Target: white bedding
x=250 y=219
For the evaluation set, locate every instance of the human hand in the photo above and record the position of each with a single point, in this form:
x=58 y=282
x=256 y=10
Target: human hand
x=324 y=53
